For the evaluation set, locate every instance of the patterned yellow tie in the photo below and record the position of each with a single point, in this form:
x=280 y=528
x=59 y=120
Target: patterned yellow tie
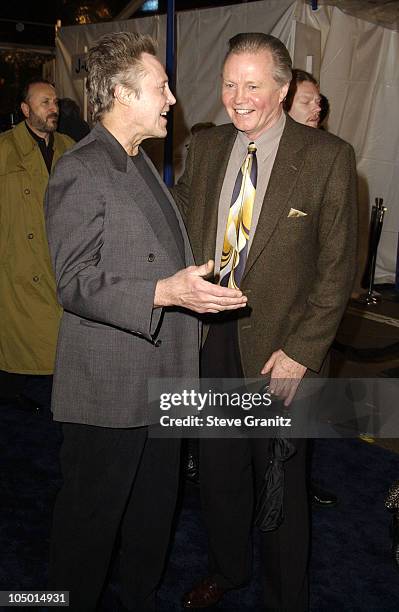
x=235 y=244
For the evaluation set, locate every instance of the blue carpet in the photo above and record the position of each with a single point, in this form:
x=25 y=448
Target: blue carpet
x=351 y=569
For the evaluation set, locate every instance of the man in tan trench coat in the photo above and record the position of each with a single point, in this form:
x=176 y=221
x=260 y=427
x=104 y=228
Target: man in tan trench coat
x=29 y=312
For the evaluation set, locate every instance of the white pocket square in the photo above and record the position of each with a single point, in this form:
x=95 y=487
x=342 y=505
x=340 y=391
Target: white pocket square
x=296 y=213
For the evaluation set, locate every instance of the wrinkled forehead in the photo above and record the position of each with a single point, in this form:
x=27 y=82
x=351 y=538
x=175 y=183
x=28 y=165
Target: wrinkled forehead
x=253 y=65
x=41 y=90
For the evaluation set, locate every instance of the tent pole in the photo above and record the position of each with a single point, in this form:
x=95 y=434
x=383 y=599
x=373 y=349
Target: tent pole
x=168 y=174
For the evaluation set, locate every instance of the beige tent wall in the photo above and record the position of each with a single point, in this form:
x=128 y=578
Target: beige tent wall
x=359 y=73
x=360 y=76
x=72 y=40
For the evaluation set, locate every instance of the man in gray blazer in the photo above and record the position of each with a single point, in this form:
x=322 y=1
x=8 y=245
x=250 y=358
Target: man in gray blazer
x=293 y=255
x=120 y=254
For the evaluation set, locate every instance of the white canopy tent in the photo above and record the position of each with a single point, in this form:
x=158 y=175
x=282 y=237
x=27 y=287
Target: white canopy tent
x=360 y=76
x=359 y=73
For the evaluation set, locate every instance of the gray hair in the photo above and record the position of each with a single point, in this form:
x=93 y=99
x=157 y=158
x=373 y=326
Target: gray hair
x=115 y=59
x=255 y=42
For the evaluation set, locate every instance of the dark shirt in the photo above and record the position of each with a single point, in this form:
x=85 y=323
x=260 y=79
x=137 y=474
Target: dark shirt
x=160 y=197
x=46 y=150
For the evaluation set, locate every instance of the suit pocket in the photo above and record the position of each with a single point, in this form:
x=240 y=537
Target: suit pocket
x=295 y=224
x=98 y=326
x=295 y=232
x=103 y=327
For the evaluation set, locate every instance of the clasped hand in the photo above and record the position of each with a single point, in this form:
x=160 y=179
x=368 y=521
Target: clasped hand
x=188 y=289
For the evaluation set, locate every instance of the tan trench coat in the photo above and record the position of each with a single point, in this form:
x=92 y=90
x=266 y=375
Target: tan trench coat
x=29 y=312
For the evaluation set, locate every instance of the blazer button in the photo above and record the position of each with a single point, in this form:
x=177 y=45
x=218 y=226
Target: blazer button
x=158 y=343
x=151 y=257
x=26 y=191
x=35 y=279
x=30 y=236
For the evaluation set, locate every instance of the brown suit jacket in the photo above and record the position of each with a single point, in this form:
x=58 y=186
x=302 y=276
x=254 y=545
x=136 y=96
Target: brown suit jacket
x=300 y=270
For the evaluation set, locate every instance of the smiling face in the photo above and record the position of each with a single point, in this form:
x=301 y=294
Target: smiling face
x=148 y=111
x=251 y=96
x=41 y=109
x=306 y=104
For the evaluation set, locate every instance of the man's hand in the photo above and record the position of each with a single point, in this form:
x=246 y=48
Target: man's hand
x=188 y=289
x=286 y=374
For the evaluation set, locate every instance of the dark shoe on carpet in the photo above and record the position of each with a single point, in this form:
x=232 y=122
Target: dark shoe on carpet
x=322 y=498
x=204 y=595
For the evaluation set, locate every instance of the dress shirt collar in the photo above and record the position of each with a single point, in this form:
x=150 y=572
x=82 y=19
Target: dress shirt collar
x=267 y=141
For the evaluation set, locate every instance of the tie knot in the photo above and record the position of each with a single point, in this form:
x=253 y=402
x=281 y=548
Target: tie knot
x=251 y=147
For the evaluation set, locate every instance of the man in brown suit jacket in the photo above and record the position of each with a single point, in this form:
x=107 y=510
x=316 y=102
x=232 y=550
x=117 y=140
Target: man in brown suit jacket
x=297 y=278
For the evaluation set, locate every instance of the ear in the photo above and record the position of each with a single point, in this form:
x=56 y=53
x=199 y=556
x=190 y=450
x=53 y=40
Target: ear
x=283 y=92
x=25 y=109
x=123 y=95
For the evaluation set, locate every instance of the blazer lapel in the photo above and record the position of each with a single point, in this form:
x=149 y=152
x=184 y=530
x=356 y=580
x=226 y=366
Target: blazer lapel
x=135 y=190
x=286 y=169
x=30 y=157
x=188 y=255
x=31 y=160
x=217 y=161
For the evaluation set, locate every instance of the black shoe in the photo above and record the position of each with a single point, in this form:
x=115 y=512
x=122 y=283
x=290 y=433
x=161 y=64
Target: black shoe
x=206 y=594
x=322 y=498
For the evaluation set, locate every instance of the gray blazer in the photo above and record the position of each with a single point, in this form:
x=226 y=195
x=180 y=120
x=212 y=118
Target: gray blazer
x=110 y=242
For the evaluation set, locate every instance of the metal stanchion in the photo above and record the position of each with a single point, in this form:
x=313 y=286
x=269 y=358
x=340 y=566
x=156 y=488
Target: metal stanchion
x=377 y=219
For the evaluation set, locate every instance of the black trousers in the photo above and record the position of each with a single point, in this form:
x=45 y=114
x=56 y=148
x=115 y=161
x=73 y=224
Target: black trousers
x=115 y=480
x=231 y=474
x=11 y=384
x=35 y=388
